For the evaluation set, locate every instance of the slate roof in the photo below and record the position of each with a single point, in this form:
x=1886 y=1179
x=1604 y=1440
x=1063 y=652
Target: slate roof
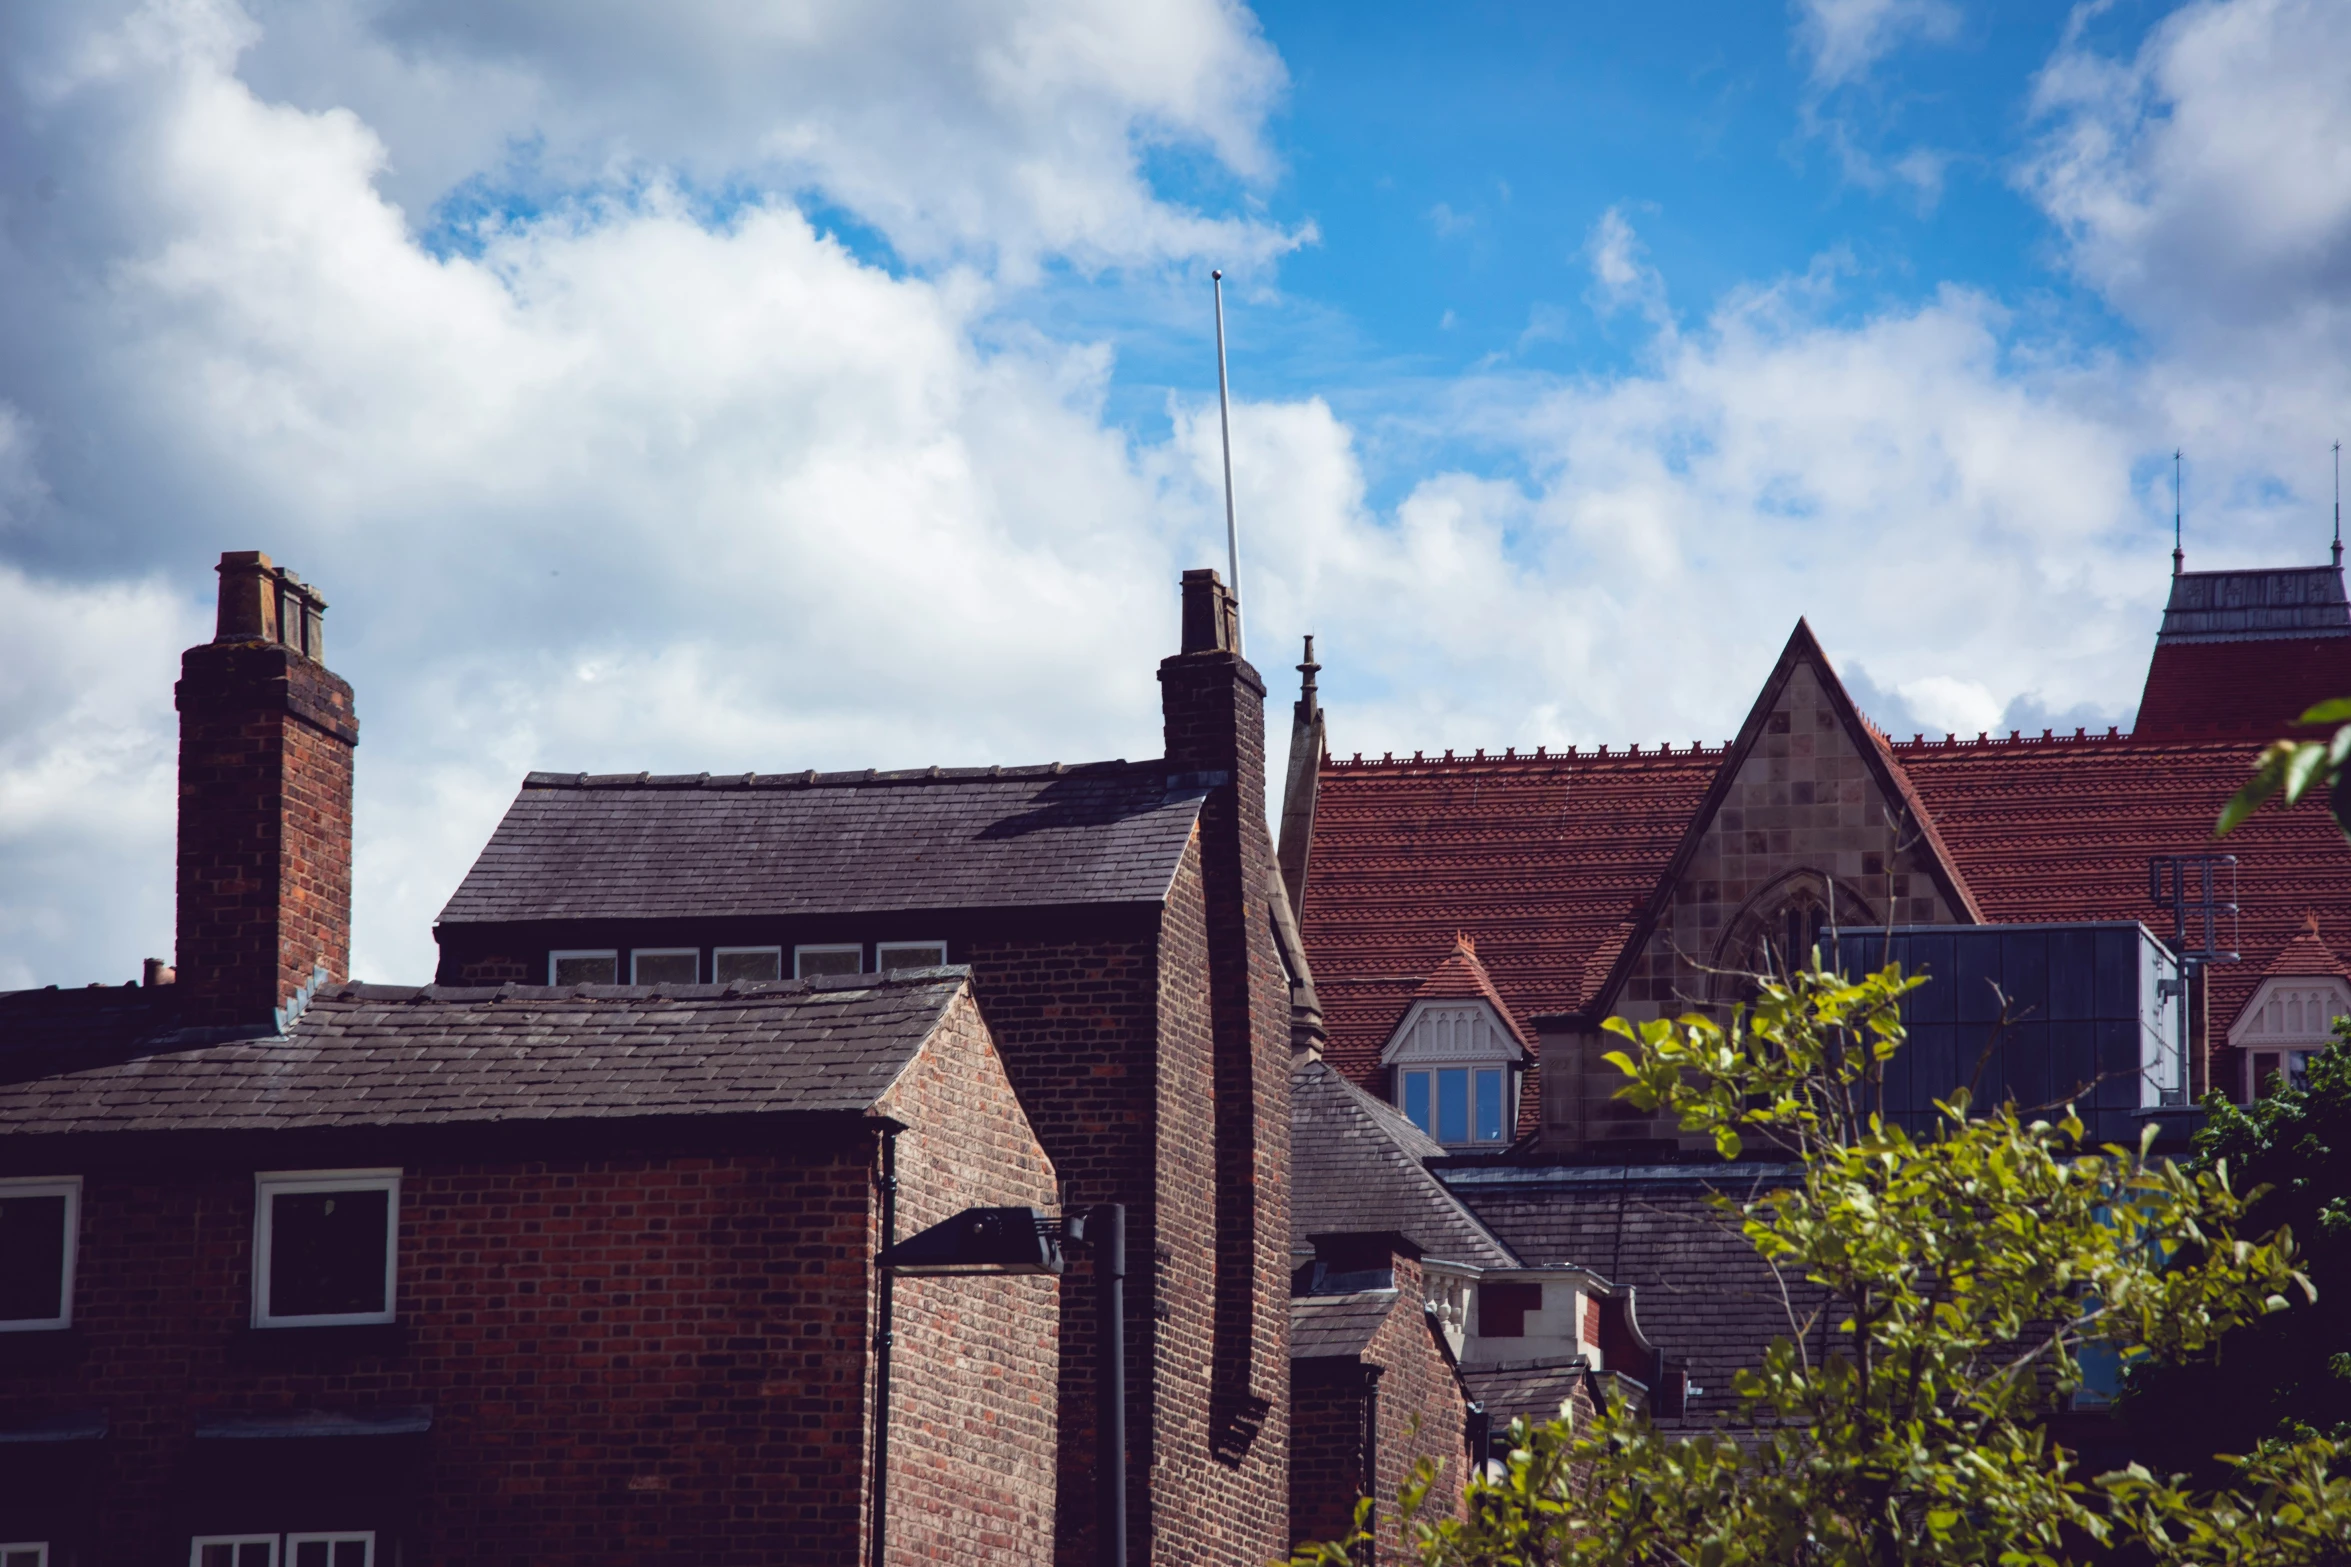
x=2275 y=602
x=380 y=1055
x=1529 y=1389
x=576 y=846
x=1702 y=1293
x=1357 y=1166
x=1337 y=1326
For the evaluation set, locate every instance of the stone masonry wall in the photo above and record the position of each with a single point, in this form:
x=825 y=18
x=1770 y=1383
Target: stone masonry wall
x=1804 y=822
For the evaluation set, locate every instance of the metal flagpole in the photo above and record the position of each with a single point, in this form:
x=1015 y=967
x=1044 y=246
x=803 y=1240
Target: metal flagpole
x=1224 y=419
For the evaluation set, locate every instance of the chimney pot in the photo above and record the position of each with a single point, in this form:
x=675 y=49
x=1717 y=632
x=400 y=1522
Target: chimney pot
x=1211 y=614
x=248 y=598
x=156 y=972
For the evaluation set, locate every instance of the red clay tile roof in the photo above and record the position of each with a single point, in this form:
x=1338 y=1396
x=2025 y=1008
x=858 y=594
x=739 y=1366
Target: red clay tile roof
x=1543 y=858
x=2060 y=829
x=2307 y=956
x=2239 y=690
x=1461 y=977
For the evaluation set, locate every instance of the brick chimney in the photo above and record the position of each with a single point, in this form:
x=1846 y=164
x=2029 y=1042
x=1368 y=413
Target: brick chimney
x=266 y=736
x=1213 y=706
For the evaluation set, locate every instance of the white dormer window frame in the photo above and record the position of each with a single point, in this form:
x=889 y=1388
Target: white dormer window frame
x=2289 y=1020
x=1457 y=1072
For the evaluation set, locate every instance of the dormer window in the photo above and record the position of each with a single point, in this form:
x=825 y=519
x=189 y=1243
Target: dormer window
x=1457 y=1060
x=1459 y=1105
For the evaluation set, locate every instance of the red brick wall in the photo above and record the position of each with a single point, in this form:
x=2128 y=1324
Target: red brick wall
x=1326 y=1447
x=976 y=1364
x=266 y=738
x=1074 y=1021
x=1215 y=723
x=1422 y=1411
x=629 y=1360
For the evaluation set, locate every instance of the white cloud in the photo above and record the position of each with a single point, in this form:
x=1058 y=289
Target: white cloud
x=644 y=481
x=1844 y=38
x=999 y=130
x=1622 y=277
x=632 y=487
x=2204 y=185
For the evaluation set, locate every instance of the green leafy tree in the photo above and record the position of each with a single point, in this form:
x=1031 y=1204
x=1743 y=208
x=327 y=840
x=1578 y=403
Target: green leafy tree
x=2286 y=1375
x=1966 y=1273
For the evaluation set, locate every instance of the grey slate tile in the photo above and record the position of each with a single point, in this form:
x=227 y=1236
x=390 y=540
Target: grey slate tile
x=371 y=1055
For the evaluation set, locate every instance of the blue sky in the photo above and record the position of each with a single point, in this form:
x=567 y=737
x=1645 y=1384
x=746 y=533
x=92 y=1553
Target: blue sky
x=1453 y=164
x=733 y=385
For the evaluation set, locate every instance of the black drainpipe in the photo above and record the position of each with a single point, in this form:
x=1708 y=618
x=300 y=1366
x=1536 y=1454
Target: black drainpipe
x=884 y=1289
x=1371 y=1460
x=1106 y=1232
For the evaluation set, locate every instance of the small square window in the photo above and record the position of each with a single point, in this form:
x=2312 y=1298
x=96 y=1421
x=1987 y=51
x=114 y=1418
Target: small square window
x=583 y=968
x=323 y=1247
x=666 y=966
x=747 y=963
x=40 y=1221
x=25 y=1553
x=807 y=961
x=233 y=1550
x=331 y=1550
x=909 y=954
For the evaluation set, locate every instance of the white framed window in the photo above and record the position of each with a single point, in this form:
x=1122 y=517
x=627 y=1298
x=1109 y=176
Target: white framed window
x=40 y=1230
x=325 y=1245
x=746 y=963
x=909 y=954
x=583 y=968
x=2267 y=1071
x=665 y=966
x=24 y=1553
x=1459 y=1105
x=837 y=959
x=346 y=1548
x=233 y=1550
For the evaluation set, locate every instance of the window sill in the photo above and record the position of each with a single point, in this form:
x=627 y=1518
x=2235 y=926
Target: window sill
x=42 y=1349
x=299 y=1346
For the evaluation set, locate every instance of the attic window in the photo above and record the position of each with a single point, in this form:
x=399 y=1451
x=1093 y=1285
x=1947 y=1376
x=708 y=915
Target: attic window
x=1458 y=1105
x=810 y=961
x=1456 y=1071
x=747 y=963
x=38 y=1224
x=665 y=966
x=583 y=968
x=909 y=954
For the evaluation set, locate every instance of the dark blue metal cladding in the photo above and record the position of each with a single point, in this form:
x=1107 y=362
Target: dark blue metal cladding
x=2082 y=1018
